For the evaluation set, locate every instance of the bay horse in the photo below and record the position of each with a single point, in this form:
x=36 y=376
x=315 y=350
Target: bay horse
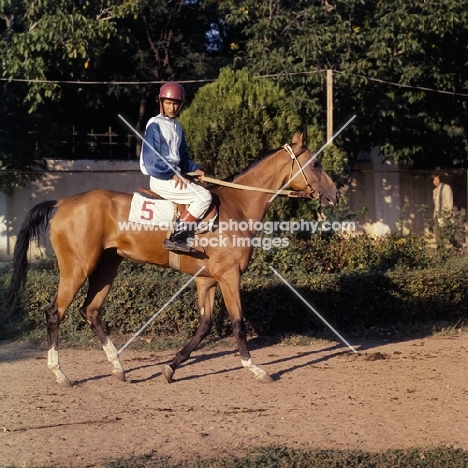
x=89 y=245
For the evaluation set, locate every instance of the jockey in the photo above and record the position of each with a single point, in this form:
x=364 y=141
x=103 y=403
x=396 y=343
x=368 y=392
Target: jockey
x=164 y=157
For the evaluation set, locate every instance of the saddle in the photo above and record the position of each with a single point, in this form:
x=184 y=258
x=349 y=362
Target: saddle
x=209 y=217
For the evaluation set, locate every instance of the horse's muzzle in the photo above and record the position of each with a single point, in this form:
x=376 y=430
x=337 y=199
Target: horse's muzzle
x=326 y=200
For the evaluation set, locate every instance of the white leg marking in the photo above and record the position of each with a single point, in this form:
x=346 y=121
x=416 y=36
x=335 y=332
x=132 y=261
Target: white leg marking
x=54 y=365
x=113 y=358
x=259 y=373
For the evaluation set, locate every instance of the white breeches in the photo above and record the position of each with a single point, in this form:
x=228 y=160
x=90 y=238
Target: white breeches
x=194 y=195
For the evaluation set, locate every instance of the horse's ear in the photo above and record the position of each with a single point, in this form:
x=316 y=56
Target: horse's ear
x=299 y=138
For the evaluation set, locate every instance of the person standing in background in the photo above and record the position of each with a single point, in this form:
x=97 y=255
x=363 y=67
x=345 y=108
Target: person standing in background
x=442 y=197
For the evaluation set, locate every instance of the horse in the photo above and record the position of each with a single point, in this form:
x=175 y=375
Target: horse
x=89 y=245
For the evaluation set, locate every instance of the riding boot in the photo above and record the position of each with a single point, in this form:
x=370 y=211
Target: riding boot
x=185 y=226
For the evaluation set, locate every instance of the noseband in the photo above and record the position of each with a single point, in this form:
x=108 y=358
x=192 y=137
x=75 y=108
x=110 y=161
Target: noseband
x=294 y=159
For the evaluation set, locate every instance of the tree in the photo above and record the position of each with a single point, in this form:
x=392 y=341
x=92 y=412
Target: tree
x=385 y=57
x=50 y=42
x=231 y=121
x=167 y=40
x=41 y=43
x=24 y=139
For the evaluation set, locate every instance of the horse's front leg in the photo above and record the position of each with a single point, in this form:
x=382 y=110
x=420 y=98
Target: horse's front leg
x=230 y=288
x=206 y=288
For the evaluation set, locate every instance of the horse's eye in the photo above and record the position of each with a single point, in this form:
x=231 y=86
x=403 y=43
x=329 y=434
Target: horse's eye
x=315 y=163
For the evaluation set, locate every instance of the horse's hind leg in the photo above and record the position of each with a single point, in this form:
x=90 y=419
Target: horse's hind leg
x=54 y=312
x=206 y=291
x=100 y=282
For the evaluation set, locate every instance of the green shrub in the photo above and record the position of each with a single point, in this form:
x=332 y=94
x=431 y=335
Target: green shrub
x=334 y=253
x=349 y=300
x=280 y=456
x=138 y=292
x=252 y=115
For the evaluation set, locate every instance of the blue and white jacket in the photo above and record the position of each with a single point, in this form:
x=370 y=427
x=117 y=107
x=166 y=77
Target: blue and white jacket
x=165 y=146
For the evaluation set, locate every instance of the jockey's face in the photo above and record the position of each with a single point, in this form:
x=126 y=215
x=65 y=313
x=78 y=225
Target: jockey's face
x=171 y=107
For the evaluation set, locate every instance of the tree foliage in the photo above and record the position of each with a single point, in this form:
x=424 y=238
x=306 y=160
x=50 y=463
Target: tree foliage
x=399 y=66
x=385 y=55
x=25 y=139
x=231 y=121
x=52 y=40
x=47 y=43
x=234 y=119
x=59 y=40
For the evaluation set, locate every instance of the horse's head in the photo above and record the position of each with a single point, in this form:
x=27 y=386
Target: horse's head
x=307 y=174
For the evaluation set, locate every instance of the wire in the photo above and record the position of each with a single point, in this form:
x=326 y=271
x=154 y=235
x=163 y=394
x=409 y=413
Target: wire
x=378 y=80
x=136 y=83
x=274 y=75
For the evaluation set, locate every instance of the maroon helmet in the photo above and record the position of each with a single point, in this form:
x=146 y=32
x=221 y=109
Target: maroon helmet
x=171 y=90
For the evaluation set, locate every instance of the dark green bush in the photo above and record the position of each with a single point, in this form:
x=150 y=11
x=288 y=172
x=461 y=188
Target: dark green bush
x=277 y=456
x=334 y=253
x=138 y=292
x=350 y=299
x=356 y=299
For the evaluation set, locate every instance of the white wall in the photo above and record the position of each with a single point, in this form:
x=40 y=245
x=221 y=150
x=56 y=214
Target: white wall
x=390 y=194
x=395 y=197
x=64 y=178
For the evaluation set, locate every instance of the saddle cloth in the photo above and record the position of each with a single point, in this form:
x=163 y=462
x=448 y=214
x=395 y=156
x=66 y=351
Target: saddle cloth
x=147 y=207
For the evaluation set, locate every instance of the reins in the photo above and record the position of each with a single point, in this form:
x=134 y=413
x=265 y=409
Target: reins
x=287 y=193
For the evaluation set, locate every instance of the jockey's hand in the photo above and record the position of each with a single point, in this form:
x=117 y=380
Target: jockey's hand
x=180 y=182
x=199 y=172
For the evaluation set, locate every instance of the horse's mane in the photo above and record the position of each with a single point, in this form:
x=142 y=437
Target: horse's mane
x=263 y=155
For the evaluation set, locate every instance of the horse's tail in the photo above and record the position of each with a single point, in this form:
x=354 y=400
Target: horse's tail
x=33 y=227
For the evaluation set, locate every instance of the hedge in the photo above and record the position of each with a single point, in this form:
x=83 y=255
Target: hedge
x=349 y=300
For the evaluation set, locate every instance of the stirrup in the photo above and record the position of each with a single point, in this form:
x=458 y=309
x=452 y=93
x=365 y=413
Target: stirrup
x=178 y=246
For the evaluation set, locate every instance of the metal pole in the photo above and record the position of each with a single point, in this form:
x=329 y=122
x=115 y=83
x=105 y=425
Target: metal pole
x=329 y=104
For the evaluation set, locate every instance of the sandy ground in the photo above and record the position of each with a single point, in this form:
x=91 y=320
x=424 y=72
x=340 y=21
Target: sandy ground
x=388 y=395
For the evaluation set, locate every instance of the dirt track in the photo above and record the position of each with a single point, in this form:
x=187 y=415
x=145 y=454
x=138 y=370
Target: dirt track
x=397 y=395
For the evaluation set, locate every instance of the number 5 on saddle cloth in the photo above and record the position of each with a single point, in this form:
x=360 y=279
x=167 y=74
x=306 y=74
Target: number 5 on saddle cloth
x=149 y=208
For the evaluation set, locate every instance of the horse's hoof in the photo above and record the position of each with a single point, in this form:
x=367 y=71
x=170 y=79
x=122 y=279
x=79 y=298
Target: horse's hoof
x=64 y=382
x=119 y=375
x=265 y=378
x=167 y=372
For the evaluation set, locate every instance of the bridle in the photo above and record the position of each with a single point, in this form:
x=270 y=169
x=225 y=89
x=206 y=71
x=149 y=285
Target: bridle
x=294 y=159
x=312 y=193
